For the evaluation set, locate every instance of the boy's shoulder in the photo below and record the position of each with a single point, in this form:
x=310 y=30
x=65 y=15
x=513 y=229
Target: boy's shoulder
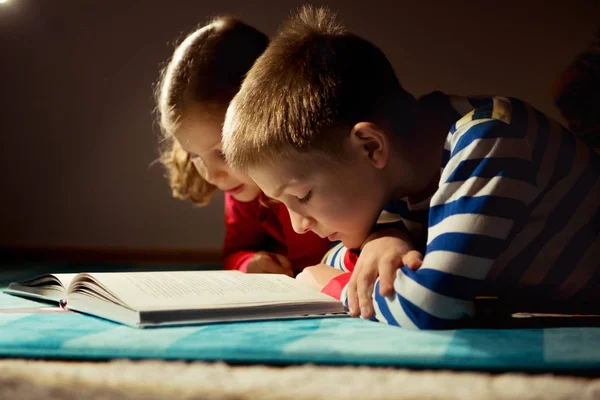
x=494 y=117
x=474 y=109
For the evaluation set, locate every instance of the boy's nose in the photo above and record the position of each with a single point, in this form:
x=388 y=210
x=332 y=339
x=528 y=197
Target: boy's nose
x=301 y=223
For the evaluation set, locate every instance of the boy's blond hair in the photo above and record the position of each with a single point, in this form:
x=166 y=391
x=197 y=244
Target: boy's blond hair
x=205 y=72
x=312 y=84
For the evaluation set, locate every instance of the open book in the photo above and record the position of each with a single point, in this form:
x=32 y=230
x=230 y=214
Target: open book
x=143 y=299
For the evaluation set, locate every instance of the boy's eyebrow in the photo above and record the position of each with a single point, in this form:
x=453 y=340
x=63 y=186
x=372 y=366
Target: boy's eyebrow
x=280 y=190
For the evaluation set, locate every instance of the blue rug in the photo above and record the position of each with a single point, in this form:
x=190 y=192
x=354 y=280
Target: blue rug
x=32 y=329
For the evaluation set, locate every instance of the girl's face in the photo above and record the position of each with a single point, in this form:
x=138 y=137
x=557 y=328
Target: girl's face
x=199 y=133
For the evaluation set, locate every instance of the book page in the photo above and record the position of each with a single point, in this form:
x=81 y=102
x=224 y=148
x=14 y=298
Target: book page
x=65 y=279
x=51 y=287
x=49 y=280
x=201 y=289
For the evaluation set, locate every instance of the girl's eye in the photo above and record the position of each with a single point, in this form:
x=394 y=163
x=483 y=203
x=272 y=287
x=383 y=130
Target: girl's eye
x=198 y=164
x=306 y=198
x=221 y=155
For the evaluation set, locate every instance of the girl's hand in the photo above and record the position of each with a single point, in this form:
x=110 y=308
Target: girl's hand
x=318 y=276
x=265 y=262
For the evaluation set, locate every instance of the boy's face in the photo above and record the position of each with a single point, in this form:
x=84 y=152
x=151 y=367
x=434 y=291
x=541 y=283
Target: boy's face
x=336 y=200
x=199 y=134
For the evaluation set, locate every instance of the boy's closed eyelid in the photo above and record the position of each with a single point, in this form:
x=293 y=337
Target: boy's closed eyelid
x=306 y=197
x=295 y=192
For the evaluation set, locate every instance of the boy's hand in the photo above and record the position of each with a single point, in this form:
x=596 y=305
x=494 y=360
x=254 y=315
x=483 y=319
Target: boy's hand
x=265 y=262
x=382 y=254
x=318 y=276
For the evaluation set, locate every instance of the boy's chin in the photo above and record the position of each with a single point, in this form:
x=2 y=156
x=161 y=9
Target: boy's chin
x=352 y=243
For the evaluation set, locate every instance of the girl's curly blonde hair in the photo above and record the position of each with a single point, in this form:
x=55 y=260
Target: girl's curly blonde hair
x=206 y=70
x=184 y=179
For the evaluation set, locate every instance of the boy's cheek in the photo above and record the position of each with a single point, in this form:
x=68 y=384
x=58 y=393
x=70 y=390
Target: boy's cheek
x=351 y=220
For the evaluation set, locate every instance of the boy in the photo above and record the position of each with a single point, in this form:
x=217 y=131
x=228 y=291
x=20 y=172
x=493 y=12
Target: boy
x=505 y=200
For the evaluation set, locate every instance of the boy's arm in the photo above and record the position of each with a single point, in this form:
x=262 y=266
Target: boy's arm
x=388 y=246
x=485 y=189
x=243 y=233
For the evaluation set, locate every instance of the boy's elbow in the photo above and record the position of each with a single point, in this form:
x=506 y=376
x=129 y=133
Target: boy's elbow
x=433 y=313
x=426 y=324
x=444 y=316
x=444 y=324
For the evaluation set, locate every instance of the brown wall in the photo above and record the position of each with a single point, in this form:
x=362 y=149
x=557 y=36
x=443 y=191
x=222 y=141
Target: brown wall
x=77 y=138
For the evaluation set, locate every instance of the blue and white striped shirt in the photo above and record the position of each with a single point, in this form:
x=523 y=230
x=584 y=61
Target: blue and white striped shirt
x=516 y=211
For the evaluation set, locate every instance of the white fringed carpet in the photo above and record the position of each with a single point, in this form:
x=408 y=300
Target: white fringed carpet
x=35 y=380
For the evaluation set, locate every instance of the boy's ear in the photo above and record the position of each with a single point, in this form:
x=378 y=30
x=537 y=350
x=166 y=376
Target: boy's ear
x=370 y=140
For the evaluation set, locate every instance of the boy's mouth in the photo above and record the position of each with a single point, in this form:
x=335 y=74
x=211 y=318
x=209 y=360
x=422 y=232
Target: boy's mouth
x=333 y=237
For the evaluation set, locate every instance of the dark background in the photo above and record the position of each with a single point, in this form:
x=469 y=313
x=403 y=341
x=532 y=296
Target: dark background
x=77 y=132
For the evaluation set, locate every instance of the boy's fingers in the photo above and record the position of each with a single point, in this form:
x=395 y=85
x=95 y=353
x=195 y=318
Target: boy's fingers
x=352 y=294
x=413 y=260
x=414 y=265
x=364 y=289
x=387 y=275
x=353 y=298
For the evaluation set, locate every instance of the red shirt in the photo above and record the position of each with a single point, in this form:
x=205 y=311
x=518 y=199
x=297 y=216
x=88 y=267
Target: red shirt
x=264 y=225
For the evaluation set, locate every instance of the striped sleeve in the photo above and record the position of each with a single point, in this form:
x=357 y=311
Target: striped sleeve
x=343 y=259
x=339 y=257
x=484 y=191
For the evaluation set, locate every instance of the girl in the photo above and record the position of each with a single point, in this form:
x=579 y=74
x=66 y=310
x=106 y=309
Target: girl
x=192 y=95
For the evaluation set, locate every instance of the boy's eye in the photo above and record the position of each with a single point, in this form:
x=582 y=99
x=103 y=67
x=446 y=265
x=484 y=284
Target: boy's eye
x=306 y=198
